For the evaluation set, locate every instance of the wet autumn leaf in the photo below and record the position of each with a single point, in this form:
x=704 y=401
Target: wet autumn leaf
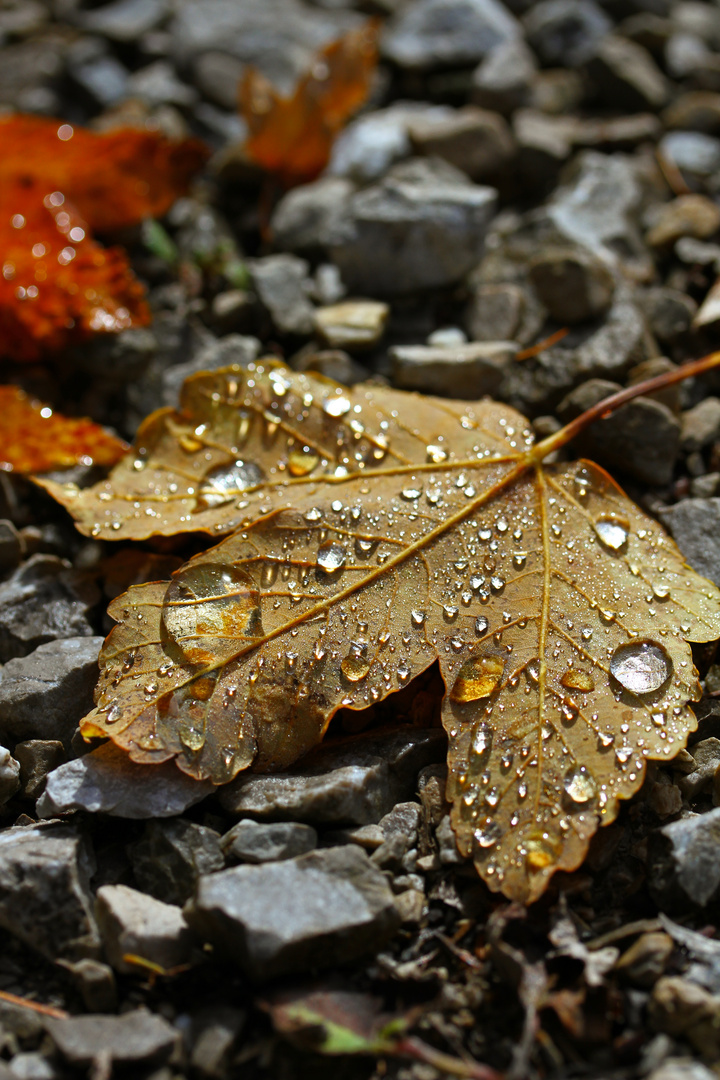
x=291 y=137
x=373 y=533
x=35 y=439
x=57 y=184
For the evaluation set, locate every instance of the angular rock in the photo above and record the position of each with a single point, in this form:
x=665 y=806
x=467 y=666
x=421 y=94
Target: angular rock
x=701 y=425
x=669 y=312
x=495 y=311
x=503 y=80
x=157 y=84
x=44 y=694
x=574 y=285
x=474 y=140
x=706 y=758
x=687 y=215
x=9 y=775
x=134 y=1038
x=267 y=841
x=43 y=600
x=625 y=75
x=683 y=867
x=352 y=324
x=354 y=783
x=421 y=227
x=641 y=438
x=44 y=896
x=459 y=371
x=324 y=908
x=566 y=33
x=281 y=282
x=11 y=546
x=694 y=525
x=374 y=141
x=544 y=144
x=170 y=857
x=441 y=33
x=214 y=1030
x=216 y=75
x=105 y=781
x=307 y=217
x=132 y=923
x=598 y=206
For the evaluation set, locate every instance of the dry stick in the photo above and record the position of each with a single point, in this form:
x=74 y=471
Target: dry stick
x=552 y=339
x=36 y=1006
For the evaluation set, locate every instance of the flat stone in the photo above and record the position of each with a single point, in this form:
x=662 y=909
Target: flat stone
x=282 y=284
x=701 y=425
x=565 y=33
x=267 y=841
x=421 y=227
x=44 y=694
x=354 y=783
x=321 y=909
x=574 y=285
x=625 y=76
x=44 y=895
x=43 y=600
x=130 y=922
x=641 y=438
x=125 y=20
x=694 y=525
x=495 y=311
x=442 y=33
x=352 y=324
x=459 y=371
x=687 y=215
x=105 y=781
x=130 y=1039
x=683 y=867
x=9 y=775
x=477 y=141
x=170 y=857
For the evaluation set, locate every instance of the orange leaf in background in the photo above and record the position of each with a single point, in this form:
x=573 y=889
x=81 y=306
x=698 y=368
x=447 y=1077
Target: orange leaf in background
x=57 y=183
x=292 y=136
x=35 y=439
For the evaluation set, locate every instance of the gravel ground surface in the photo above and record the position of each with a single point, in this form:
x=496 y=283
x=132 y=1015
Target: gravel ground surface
x=519 y=169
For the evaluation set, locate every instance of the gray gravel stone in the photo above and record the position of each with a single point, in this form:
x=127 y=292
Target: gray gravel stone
x=437 y=33
x=125 y=20
x=683 y=864
x=214 y=1031
x=216 y=74
x=282 y=282
x=43 y=600
x=701 y=425
x=103 y=78
x=459 y=371
x=474 y=140
x=370 y=144
x=566 y=33
x=706 y=755
x=9 y=775
x=11 y=546
x=170 y=857
x=503 y=80
x=157 y=84
x=625 y=75
x=354 y=783
x=694 y=525
x=307 y=217
x=131 y=1039
x=232 y=349
x=44 y=896
x=132 y=923
x=641 y=438
x=669 y=312
x=692 y=151
x=324 y=908
x=494 y=311
x=44 y=694
x=352 y=324
x=422 y=227
x=105 y=781
x=267 y=841
x=574 y=285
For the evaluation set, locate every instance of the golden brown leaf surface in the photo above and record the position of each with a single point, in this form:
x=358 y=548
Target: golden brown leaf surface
x=292 y=136
x=34 y=438
x=374 y=532
x=57 y=184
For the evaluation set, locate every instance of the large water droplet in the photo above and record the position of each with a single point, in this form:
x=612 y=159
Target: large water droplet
x=641 y=666
x=336 y=406
x=481 y=624
x=487 y=834
x=481 y=740
x=612 y=530
x=302 y=462
x=225 y=482
x=208 y=610
x=577 y=679
x=418 y=617
x=355 y=666
x=579 y=785
x=313 y=514
x=331 y=557
x=477 y=678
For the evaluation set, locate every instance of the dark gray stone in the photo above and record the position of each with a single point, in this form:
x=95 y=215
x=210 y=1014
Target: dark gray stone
x=106 y=781
x=214 y=1031
x=574 y=285
x=168 y=860
x=503 y=80
x=694 y=525
x=701 y=425
x=495 y=311
x=9 y=775
x=11 y=546
x=422 y=227
x=459 y=371
x=36 y=758
x=354 y=783
x=669 y=312
x=232 y=349
x=308 y=216
x=324 y=908
x=283 y=284
x=641 y=438
x=683 y=864
x=131 y=923
x=43 y=600
x=216 y=75
x=476 y=141
x=439 y=33
x=706 y=758
x=131 y=1039
x=267 y=841
x=44 y=896
x=125 y=20
x=625 y=76
x=566 y=33
x=45 y=694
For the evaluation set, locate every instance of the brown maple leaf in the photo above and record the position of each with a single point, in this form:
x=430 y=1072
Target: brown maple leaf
x=291 y=137
x=37 y=439
x=374 y=533
x=57 y=184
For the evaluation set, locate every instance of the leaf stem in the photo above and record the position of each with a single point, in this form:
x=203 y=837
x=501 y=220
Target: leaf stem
x=610 y=404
